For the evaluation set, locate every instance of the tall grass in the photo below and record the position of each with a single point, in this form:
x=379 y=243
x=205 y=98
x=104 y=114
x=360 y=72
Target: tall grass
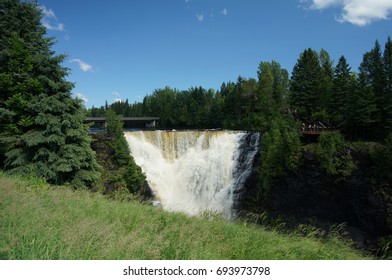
x=41 y=222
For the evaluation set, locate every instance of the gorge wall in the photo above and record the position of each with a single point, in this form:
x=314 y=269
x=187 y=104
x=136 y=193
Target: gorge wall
x=312 y=195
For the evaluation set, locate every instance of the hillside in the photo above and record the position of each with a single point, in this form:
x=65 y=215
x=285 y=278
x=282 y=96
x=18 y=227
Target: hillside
x=38 y=222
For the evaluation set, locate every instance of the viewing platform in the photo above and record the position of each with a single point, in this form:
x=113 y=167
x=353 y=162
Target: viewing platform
x=314 y=128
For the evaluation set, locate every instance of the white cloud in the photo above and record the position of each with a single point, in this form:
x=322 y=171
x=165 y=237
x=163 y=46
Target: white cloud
x=200 y=17
x=81 y=96
x=357 y=12
x=59 y=27
x=322 y=4
x=224 y=12
x=117 y=97
x=48 y=13
x=49 y=20
x=85 y=67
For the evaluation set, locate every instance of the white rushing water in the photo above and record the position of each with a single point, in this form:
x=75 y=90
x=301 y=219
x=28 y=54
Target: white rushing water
x=192 y=171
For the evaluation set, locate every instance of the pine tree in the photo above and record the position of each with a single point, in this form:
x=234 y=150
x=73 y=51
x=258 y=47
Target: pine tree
x=342 y=83
x=387 y=58
x=305 y=84
x=373 y=77
x=130 y=173
x=362 y=107
x=50 y=138
x=327 y=75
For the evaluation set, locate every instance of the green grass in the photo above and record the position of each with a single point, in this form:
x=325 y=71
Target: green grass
x=49 y=222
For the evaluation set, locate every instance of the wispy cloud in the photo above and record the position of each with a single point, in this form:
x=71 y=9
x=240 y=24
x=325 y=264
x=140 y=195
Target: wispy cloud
x=85 y=67
x=357 y=12
x=117 y=97
x=224 y=12
x=48 y=12
x=200 y=16
x=58 y=27
x=81 y=96
x=49 y=20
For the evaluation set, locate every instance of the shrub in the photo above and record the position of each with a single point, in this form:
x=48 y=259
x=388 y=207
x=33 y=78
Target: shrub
x=280 y=151
x=130 y=173
x=334 y=155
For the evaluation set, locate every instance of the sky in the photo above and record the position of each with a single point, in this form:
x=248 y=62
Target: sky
x=125 y=49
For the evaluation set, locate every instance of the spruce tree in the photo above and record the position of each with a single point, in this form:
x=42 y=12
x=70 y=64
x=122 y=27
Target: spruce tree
x=130 y=174
x=387 y=58
x=305 y=84
x=342 y=84
x=327 y=75
x=50 y=138
x=362 y=107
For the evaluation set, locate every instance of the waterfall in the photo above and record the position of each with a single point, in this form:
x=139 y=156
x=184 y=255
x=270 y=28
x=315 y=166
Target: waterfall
x=194 y=171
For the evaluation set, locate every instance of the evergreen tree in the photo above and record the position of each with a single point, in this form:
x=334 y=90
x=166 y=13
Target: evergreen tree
x=274 y=84
x=373 y=77
x=281 y=84
x=326 y=87
x=305 y=84
x=361 y=107
x=17 y=86
x=342 y=84
x=50 y=138
x=130 y=173
x=387 y=58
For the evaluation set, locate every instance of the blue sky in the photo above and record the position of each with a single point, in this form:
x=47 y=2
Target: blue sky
x=127 y=48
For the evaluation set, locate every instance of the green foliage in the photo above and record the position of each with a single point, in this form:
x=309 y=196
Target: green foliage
x=306 y=84
x=334 y=155
x=387 y=106
x=128 y=173
x=40 y=121
x=339 y=107
x=280 y=151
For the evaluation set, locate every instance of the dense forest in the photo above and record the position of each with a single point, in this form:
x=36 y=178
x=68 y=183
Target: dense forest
x=358 y=103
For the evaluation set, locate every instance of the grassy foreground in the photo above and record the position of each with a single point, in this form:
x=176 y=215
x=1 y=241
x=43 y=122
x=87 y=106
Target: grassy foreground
x=41 y=222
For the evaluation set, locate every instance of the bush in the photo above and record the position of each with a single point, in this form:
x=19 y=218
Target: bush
x=129 y=172
x=334 y=155
x=280 y=151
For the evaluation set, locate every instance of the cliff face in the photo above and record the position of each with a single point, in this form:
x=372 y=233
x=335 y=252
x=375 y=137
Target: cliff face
x=364 y=206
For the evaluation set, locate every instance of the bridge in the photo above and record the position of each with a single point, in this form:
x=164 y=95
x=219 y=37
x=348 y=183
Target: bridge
x=129 y=122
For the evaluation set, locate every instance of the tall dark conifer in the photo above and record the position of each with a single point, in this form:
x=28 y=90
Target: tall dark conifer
x=305 y=84
x=387 y=58
x=342 y=85
x=373 y=76
x=327 y=75
x=52 y=141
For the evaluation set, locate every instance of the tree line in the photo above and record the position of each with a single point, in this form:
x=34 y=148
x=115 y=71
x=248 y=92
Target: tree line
x=358 y=103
